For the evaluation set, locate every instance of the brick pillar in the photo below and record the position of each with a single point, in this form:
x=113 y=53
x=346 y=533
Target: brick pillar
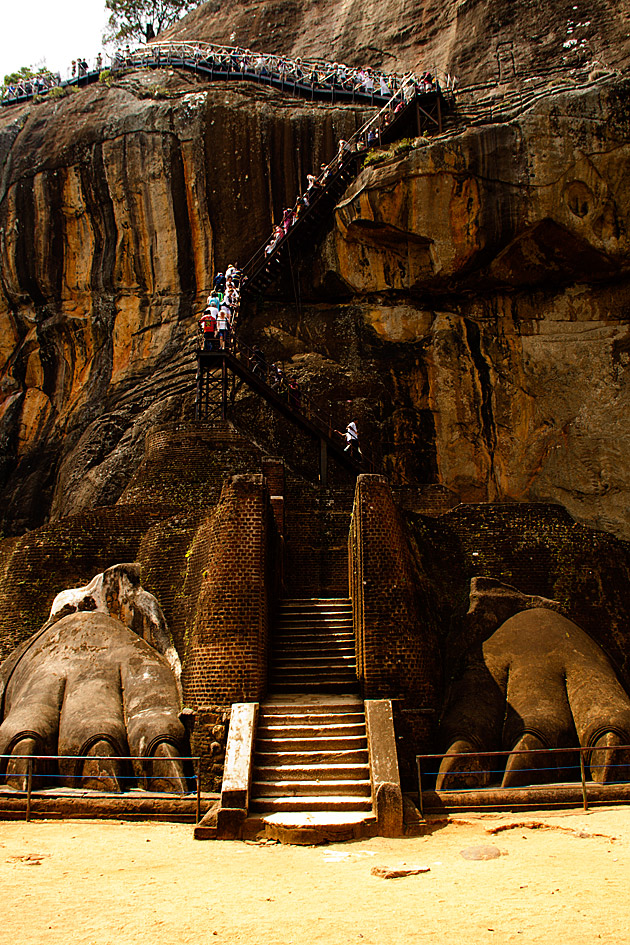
x=226 y=659
x=397 y=649
x=273 y=471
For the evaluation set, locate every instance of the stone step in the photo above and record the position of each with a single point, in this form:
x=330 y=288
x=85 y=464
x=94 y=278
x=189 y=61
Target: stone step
x=310 y=617
x=331 y=665
x=310 y=718
x=310 y=614
x=333 y=772
x=319 y=650
x=314 y=602
x=321 y=636
x=318 y=743
x=304 y=788
x=346 y=687
x=266 y=731
x=295 y=678
x=332 y=628
x=299 y=615
x=315 y=802
x=275 y=756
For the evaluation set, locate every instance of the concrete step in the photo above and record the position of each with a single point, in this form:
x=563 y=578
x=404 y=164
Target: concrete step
x=322 y=743
x=332 y=802
x=348 y=788
x=333 y=772
x=312 y=827
x=275 y=756
x=265 y=731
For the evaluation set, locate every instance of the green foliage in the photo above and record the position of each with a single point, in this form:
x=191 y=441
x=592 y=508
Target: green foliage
x=139 y=20
x=380 y=155
x=105 y=76
x=21 y=75
x=402 y=146
x=56 y=92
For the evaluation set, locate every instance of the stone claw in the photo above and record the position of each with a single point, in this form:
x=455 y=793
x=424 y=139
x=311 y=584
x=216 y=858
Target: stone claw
x=608 y=762
x=18 y=765
x=525 y=765
x=165 y=770
x=102 y=769
x=462 y=768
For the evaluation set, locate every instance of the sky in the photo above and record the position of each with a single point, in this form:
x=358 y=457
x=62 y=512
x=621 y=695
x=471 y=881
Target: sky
x=53 y=32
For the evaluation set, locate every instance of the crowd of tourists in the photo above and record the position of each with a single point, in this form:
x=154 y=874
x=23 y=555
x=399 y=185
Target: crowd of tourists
x=43 y=81
x=221 y=311
x=369 y=137
x=313 y=74
x=228 y=59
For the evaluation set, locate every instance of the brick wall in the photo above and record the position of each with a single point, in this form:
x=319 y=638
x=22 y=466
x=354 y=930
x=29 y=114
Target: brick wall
x=39 y=564
x=538 y=548
x=316 y=540
x=396 y=642
x=226 y=659
x=185 y=464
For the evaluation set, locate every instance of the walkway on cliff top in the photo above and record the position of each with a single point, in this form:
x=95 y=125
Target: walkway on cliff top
x=313 y=80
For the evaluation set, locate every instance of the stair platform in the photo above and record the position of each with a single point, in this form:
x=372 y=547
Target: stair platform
x=310 y=828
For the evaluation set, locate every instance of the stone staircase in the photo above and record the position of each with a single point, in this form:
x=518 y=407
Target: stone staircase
x=311 y=756
x=313 y=648
x=311 y=774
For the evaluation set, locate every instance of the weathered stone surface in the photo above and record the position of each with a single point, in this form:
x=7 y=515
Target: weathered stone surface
x=116 y=205
x=502 y=255
x=473 y=40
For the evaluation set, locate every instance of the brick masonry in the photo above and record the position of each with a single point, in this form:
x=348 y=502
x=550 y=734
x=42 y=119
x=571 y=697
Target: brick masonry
x=396 y=643
x=226 y=658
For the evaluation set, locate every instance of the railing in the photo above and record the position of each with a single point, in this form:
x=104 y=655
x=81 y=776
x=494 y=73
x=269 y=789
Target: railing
x=238 y=59
x=572 y=765
x=302 y=404
x=354 y=147
x=55 y=778
x=302 y=77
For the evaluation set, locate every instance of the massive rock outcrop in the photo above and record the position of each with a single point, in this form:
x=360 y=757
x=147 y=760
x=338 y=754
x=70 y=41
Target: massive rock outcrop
x=469 y=299
x=472 y=39
x=503 y=255
x=115 y=206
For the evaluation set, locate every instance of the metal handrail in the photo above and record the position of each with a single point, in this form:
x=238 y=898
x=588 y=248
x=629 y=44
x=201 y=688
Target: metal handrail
x=475 y=752
x=304 y=406
x=327 y=177
x=146 y=759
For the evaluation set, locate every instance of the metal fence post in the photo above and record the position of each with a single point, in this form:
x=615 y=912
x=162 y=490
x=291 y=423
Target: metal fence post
x=583 y=777
x=420 y=805
x=29 y=788
x=198 y=790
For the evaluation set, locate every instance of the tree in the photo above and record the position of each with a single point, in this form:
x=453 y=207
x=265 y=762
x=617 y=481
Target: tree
x=24 y=74
x=138 y=20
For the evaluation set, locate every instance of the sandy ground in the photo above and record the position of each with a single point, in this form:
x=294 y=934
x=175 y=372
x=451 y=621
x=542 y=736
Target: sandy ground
x=112 y=882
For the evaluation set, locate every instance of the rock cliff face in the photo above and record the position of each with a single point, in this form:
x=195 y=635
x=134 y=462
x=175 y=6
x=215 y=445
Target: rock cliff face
x=115 y=206
x=502 y=256
x=469 y=299
x=473 y=39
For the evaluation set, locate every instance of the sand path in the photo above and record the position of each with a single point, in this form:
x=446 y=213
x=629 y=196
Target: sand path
x=111 y=882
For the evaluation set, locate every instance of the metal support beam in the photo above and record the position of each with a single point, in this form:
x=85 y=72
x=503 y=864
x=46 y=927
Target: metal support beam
x=224 y=387
x=323 y=464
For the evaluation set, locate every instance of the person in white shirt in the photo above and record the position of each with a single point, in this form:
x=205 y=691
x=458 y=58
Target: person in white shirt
x=223 y=325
